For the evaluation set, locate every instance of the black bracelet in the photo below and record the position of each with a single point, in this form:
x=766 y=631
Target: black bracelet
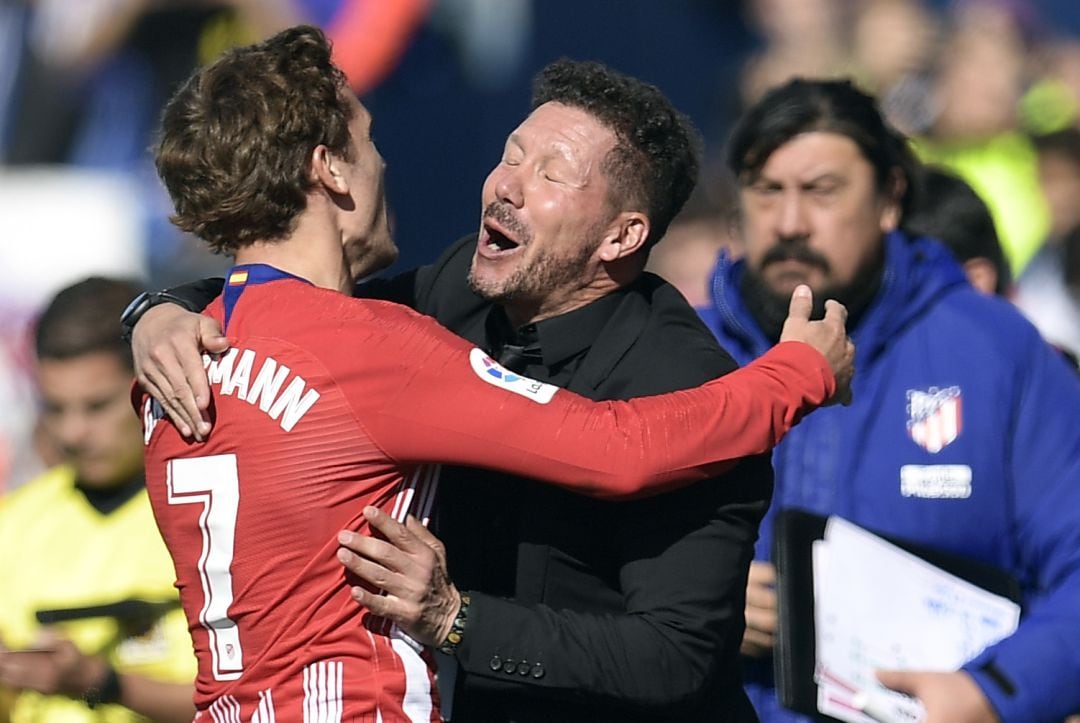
x=143 y=303
x=107 y=691
x=457 y=628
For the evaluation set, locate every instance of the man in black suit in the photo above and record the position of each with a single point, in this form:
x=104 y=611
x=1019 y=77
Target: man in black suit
x=585 y=610
x=575 y=609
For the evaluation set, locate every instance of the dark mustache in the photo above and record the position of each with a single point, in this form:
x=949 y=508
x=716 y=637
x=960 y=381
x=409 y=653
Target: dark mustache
x=794 y=250
x=502 y=215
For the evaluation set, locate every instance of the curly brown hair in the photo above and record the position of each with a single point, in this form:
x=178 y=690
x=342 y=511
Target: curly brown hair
x=236 y=138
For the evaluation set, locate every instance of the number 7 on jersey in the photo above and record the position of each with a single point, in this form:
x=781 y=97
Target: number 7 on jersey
x=213 y=482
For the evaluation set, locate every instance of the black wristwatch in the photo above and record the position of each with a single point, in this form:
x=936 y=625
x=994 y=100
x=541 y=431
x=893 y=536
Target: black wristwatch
x=143 y=303
x=106 y=691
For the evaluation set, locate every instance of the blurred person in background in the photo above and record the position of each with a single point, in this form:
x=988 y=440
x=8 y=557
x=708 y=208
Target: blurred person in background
x=368 y=36
x=1052 y=102
x=83 y=83
x=88 y=85
x=891 y=40
x=90 y=625
x=825 y=192
x=974 y=124
x=927 y=62
x=704 y=227
x=798 y=37
x=893 y=47
x=1048 y=290
x=94 y=74
x=948 y=209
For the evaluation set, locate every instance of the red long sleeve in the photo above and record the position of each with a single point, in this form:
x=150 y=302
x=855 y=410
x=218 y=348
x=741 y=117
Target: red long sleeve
x=432 y=404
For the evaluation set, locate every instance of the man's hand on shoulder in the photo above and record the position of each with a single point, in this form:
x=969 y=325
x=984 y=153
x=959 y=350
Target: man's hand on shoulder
x=828 y=336
x=167 y=346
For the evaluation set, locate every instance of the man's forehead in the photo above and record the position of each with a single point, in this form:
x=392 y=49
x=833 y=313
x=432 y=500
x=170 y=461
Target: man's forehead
x=812 y=154
x=93 y=365
x=565 y=124
x=91 y=375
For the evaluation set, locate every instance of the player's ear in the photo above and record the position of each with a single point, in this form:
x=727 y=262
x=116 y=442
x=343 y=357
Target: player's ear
x=326 y=170
x=626 y=234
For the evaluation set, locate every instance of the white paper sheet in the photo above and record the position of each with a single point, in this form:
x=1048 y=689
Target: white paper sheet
x=877 y=606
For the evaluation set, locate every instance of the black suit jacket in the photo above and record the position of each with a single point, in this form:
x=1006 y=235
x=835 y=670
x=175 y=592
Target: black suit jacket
x=588 y=610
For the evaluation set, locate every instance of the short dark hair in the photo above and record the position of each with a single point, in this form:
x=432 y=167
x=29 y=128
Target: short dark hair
x=833 y=106
x=655 y=160
x=236 y=138
x=950 y=210
x=84 y=318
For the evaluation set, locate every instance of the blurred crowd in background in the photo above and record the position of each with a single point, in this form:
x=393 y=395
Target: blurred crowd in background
x=987 y=88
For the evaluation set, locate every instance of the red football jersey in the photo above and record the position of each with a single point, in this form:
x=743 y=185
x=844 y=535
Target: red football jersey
x=326 y=404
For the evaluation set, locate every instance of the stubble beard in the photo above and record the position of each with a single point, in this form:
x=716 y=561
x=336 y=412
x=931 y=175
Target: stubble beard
x=537 y=278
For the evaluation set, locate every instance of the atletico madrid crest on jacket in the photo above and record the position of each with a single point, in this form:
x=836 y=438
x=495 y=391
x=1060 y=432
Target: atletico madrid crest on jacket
x=935 y=417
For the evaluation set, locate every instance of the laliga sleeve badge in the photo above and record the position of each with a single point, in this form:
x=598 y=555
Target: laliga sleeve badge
x=493 y=373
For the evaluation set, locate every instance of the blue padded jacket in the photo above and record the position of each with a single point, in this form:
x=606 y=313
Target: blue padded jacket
x=964 y=435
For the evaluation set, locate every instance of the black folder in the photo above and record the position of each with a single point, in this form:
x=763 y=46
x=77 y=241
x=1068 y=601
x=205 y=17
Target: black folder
x=794 y=656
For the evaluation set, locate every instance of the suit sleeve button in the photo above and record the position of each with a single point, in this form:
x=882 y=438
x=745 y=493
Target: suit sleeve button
x=523 y=667
x=538 y=671
x=509 y=666
x=495 y=663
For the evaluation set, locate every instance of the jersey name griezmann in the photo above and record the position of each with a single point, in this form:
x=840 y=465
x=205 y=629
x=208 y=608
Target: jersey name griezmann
x=233 y=375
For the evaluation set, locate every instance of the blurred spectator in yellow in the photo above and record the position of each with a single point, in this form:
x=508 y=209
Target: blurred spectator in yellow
x=977 y=87
x=1053 y=100
x=90 y=625
x=1048 y=291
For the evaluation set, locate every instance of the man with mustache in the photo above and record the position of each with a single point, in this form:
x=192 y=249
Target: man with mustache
x=965 y=430
x=579 y=610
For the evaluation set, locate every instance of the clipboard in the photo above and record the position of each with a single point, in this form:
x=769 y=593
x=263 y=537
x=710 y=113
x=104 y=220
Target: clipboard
x=795 y=655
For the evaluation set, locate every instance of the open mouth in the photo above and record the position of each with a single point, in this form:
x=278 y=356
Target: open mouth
x=496 y=241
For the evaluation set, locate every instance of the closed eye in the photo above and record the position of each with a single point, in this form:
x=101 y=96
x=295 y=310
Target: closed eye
x=765 y=187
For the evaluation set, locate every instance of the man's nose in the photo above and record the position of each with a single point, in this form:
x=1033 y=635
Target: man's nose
x=71 y=429
x=792 y=221
x=508 y=187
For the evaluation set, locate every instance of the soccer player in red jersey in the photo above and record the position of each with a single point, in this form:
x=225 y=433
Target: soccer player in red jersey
x=326 y=404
